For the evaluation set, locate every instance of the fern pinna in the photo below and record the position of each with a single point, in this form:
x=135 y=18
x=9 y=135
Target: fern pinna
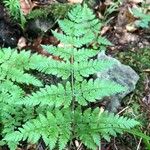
x=59 y=113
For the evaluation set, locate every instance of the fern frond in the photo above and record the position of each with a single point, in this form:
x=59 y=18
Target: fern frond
x=86 y=91
x=14 y=10
x=19 y=76
x=86 y=68
x=72 y=29
x=59 y=69
x=50 y=95
x=75 y=41
x=51 y=113
x=9 y=94
x=84 y=54
x=54 y=127
x=62 y=52
x=66 y=53
x=104 y=41
x=10 y=88
x=92 y=90
x=80 y=28
x=95 y=125
x=82 y=14
x=12 y=67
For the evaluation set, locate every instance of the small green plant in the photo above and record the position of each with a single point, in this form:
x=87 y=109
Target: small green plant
x=59 y=113
x=13 y=7
x=143 y=17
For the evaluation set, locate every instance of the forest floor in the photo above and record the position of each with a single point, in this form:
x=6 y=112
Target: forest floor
x=131 y=45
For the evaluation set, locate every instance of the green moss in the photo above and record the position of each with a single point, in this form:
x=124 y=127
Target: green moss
x=139 y=61
x=54 y=10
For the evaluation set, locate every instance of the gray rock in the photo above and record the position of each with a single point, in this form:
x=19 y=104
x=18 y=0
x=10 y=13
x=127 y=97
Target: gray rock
x=39 y=26
x=121 y=74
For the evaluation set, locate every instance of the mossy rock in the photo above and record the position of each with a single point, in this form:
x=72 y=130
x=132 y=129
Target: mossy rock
x=54 y=10
x=139 y=61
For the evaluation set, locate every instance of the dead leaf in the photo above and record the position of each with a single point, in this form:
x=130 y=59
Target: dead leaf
x=136 y=1
x=26 y=6
x=75 y=1
x=127 y=37
x=147 y=70
x=131 y=27
x=21 y=43
x=108 y=2
x=105 y=29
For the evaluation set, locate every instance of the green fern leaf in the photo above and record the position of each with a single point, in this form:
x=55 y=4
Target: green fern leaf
x=104 y=41
x=87 y=68
x=66 y=53
x=92 y=124
x=50 y=95
x=80 y=28
x=56 y=113
x=92 y=90
x=51 y=129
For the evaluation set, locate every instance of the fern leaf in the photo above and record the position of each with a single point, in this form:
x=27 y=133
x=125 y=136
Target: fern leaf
x=50 y=95
x=19 y=76
x=59 y=69
x=12 y=145
x=84 y=54
x=13 y=90
x=63 y=52
x=75 y=41
x=90 y=91
x=80 y=28
x=87 y=68
x=12 y=67
x=72 y=29
x=94 y=124
x=66 y=53
x=104 y=41
x=52 y=129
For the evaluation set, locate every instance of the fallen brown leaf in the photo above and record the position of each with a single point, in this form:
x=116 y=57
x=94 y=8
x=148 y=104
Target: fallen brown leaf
x=75 y=1
x=146 y=70
x=21 y=43
x=26 y=6
x=104 y=30
x=136 y=1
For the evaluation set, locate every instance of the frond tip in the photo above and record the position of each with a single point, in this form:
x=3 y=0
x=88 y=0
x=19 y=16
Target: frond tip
x=80 y=28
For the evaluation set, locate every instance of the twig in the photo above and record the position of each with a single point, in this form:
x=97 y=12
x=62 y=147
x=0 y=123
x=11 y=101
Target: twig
x=122 y=110
x=79 y=146
x=115 y=144
x=138 y=147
